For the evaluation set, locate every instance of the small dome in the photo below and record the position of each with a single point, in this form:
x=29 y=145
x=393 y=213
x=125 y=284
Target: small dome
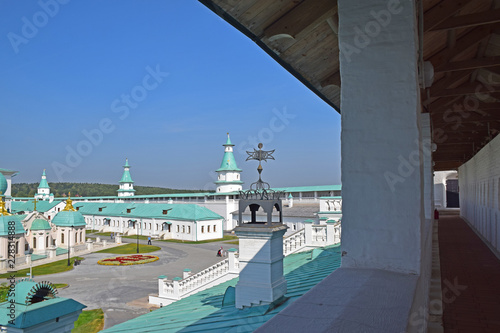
x=3 y=184
x=40 y=224
x=69 y=216
x=4 y=225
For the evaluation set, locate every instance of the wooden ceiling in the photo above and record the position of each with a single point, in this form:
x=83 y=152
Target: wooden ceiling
x=461 y=39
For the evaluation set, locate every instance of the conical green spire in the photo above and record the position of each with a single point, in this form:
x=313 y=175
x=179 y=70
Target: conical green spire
x=228 y=162
x=126 y=178
x=43 y=182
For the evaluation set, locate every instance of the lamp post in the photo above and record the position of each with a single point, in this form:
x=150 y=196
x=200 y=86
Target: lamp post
x=69 y=243
x=137 y=238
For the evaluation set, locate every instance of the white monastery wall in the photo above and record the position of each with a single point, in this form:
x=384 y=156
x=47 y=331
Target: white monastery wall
x=479 y=181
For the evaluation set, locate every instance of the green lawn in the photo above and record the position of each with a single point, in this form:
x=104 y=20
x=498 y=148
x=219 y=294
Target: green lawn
x=131 y=249
x=50 y=268
x=225 y=238
x=135 y=237
x=90 y=321
x=90 y=231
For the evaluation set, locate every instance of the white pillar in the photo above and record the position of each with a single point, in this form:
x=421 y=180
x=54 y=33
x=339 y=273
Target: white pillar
x=90 y=245
x=330 y=232
x=261 y=277
x=52 y=252
x=308 y=232
x=118 y=239
x=233 y=263
x=381 y=155
x=186 y=273
x=161 y=282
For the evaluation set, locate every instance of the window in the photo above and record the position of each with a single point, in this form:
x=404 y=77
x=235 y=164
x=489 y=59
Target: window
x=183 y=229
x=47 y=241
x=150 y=226
x=34 y=242
x=177 y=228
x=165 y=211
x=189 y=229
x=202 y=229
x=62 y=238
x=100 y=209
x=208 y=228
x=215 y=228
x=129 y=210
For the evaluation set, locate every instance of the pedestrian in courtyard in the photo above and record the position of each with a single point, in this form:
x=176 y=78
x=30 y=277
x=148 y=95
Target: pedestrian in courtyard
x=149 y=240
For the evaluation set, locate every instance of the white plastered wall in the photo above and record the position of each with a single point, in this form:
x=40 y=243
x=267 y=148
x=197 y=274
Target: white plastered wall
x=479 y=181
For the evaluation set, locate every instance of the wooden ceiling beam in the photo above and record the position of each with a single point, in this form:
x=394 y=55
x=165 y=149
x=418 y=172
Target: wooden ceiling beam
x=450 y=80
x=333 y=79
x=445 y=103
x=306 y=14
x=468 y=89
x=472 y=38
x=468 y=64
x=469 y=20
x=441 y=12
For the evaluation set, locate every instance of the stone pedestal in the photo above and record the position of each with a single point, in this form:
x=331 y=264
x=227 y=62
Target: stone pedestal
x=261 y=278
x=90 y=245
x=308 y=231
x=186 y=273
x=233 y=263
x=3 y=263
x=330 y=232
x=51 y=251
x=104 y=243
x=98 y=240
x=118 y=239
x=28 y=259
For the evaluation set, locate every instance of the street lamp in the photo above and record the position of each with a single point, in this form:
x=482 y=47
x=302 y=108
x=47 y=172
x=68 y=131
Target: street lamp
x=69 y=243
x=137 y=238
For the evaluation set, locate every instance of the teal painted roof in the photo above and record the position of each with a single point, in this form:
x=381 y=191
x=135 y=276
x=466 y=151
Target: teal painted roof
x=309 y=188
x=68 y=218
x=228 y=163
x=190 y=212
x=28 y=206
x=228 y=142
x=36 y=313
x=126 y=178
x=204 y=312
x=4 y=224
x=40 y=224
x=43 y=182
x=3 y=184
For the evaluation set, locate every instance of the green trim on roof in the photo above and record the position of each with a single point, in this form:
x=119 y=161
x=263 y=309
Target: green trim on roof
x=228 y=182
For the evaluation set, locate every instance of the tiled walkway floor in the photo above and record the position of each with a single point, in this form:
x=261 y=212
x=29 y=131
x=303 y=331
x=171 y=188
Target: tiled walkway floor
x=470 y=279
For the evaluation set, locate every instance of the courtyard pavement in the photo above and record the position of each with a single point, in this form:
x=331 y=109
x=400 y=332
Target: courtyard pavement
x=122 y=291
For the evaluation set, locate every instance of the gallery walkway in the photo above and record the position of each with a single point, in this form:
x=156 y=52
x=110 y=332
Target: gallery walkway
x=470 y=279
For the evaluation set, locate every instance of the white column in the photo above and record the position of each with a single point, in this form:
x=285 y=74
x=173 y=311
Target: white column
x=308 y=232
x=381 y=151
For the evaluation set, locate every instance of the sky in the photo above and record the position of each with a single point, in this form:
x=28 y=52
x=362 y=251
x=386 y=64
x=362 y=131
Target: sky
x=86 y=84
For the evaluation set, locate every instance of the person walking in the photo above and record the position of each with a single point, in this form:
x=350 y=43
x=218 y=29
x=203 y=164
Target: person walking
x=149 y=240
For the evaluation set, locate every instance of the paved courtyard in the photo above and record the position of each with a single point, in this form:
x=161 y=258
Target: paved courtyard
x=122 y=291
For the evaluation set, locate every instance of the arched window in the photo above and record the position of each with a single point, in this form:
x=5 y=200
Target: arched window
x=47 y=242
x=34 y=242
x=62 y=237
x=208 y=228
x=202 y=229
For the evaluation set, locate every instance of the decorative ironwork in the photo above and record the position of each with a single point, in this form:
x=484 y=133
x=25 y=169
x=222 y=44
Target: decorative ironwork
x=260 y=190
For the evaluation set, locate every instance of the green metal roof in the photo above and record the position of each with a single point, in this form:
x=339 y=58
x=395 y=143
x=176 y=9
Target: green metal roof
x=4 y=224
x=190 y=212
x=228 y=142
x=204 y=312
x=40 y=224
x=126 y=178
x=228 y=163
x=43 y=182
x=28 y=206
x=33 y=314
x=309 y=188
x=3 y=184
x=67 y=218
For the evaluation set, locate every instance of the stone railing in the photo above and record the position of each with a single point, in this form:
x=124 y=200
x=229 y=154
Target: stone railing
x=177 y=288
x=295 y=242
x=309 y=237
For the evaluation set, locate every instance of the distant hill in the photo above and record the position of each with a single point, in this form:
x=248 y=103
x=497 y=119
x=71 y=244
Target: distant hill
x=88 y=189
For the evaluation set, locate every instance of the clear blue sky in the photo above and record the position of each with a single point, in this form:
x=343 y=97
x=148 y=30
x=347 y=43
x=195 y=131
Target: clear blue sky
x=86 y=66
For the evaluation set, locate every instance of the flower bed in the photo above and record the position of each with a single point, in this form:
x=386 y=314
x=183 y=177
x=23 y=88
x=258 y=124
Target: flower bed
x=135 y=259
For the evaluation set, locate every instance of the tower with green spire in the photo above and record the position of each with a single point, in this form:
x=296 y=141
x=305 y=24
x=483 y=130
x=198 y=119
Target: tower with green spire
x=126 y=183
x=228 y=178
x=43 y=191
